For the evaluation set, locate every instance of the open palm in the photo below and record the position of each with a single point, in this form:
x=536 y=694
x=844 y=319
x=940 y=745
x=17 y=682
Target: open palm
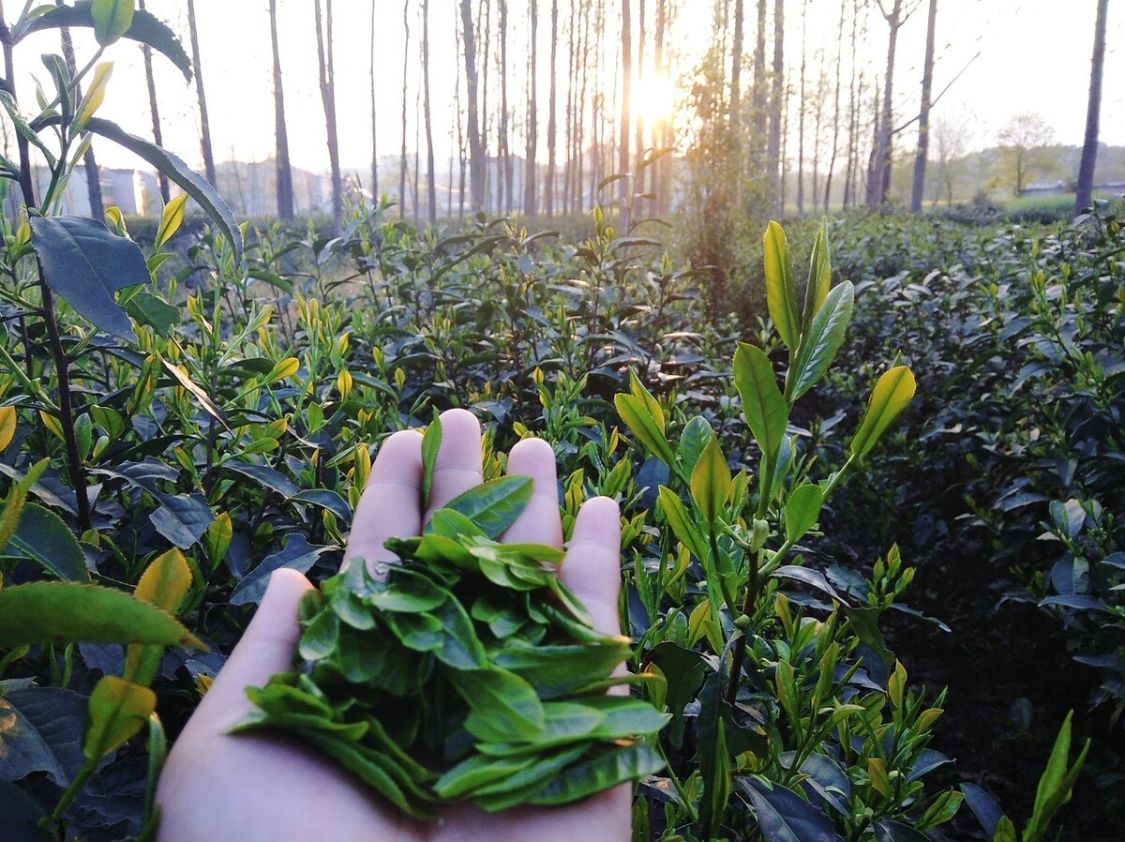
x=247 y=787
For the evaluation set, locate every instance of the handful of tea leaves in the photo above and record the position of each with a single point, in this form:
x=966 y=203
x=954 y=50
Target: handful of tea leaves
x=470 y=672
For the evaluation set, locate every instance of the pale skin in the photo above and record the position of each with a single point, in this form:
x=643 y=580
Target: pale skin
x=248 y=787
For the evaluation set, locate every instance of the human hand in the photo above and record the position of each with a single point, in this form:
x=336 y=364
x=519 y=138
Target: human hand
x=259 y=786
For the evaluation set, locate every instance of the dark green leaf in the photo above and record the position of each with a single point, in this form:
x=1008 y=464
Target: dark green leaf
x=493 y=506
x=602 y=771
x=43 y=537
x=179 y=172
x=783 y=816
x=65 y=612
x=85 y=263
x=504 y=706
x=762 y=402
x=297 y=554
x=41 y=731
x=822 y=340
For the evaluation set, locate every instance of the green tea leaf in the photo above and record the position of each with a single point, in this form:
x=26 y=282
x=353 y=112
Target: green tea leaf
x=820 y=278
x=44 y=538
x=802 y=510
x=762 y=402
x=431 y=444
x=646 y=427
x=112 y=19
x=495 y=505
x=683 y=526
x=602 y=771
x=711 y=481
x=503 y=705
x=781 y=291
x=118 y=710
x=65 y=612
x=822 y=340
x=892 y=393
x=693 y=440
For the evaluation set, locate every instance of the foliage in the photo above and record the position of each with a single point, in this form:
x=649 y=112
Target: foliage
x=161 y=473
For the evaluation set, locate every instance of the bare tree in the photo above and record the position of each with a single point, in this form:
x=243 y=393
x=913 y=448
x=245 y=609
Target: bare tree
x=430 y=187
x=919 y=186
x=626 y=104
x=777 y=102
x=951 y=135
x=281 y=135
x=1093 y=111
x=1023 y=140
x=204 y=123
x=853 y=118
x=835 y=109
x=639 y=180
x=801 y=112
x=759 y=117
x=327 y=73
x=531 y=180
x=879 y=179
x=374 y=122
x=93 y=179
x=502 y=149
x=402 y=149
x=476 y=152
x=736 y=86
x=549 y=184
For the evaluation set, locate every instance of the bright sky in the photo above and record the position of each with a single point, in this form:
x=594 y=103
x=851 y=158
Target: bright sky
x=1035 y=56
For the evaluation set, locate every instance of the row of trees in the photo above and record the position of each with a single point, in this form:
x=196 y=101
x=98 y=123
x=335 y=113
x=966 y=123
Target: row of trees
x=825 y=126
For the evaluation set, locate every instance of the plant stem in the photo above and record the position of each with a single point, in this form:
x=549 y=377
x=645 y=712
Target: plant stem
x=58 y=352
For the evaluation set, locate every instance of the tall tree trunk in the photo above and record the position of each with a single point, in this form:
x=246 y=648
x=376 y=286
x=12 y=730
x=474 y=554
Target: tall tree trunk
x=374 y=141
x=281 y=136
x=486 y=42
x=93 y=180
x=552 y=129
x=327 y=73
x=659 y=183
x=735 y=118
x=626 y=104
x=571 y=95
x=430 y=186
x=460 y=126
x=502 y=142
x=531 y=179
x=853 y=109
x=924 y=115
x=476 y=153
x=820 y=86
x=204 y=123
x=1093 y=110
x=402 y=166
x=879 y=181
x=835 y=108
x=580 y=112
x=777 y=96
x=758 y=119
x=639 y=182
x=801 y=114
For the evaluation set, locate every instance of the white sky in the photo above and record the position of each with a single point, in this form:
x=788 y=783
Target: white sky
x=1035 y=56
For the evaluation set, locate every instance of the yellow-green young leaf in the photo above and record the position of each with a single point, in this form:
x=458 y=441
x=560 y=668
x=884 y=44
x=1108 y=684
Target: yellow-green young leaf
x=943 y=809
x=877 y=772
x=893 y=392
x=217 y=538
x=820 y=278
x=7 y=426
x=17 y=497
x=640 y=421
x=165 y=583
x=112 y=19
x=781 y=292
x=710 y=481
x=1005 y=831
x=802 y=510
x=896 y=684
x=431 y=444
x=52 y=424
x=638 y=390
x=927 y=719
x=787 y=692
x=69 y=612
x=682 y=525
x=116 y=220
x=118 y=710
x=171 y=219
x=95 y=95
x=286 y=368
x=762 y=402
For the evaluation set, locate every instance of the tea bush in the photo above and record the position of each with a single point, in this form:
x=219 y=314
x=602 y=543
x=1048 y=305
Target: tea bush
x=180 y=419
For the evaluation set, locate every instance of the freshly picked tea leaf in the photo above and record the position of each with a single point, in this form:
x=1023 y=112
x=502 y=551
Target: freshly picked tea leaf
x=469 y=672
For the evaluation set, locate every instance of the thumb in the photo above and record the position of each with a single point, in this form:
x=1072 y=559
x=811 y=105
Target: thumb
x=267 y=647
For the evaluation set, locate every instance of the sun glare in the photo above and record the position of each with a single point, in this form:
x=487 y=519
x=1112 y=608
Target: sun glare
x=653 y=97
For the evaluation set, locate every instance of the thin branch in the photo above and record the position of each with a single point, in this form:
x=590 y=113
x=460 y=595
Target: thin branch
x=936 y=99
